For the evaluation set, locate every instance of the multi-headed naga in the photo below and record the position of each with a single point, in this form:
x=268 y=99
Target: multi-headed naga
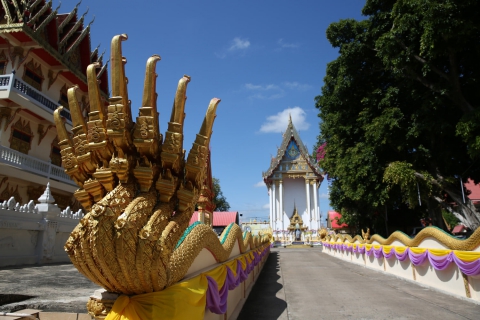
x=137 y=188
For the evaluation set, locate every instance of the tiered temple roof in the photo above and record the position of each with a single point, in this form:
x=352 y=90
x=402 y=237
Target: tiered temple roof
x=289 y=135
x=61 y=40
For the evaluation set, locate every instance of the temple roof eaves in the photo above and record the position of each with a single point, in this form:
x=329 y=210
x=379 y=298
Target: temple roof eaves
x=289 y=134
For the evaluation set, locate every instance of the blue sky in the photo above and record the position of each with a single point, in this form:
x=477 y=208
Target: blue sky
x=264 y=59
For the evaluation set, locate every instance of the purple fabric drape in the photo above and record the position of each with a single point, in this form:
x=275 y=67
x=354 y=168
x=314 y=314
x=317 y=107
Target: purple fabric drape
x=440 y=262
x=241 y=274
x=390 y=254
x=469 y=268
x=401 y=256
x=377 y=253
x=437 y=262
x=217 y=300
x=368 y=252
x=417 y=258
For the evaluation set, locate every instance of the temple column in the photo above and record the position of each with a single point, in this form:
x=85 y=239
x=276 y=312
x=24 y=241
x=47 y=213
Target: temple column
x=275 y=203
x=280 y=191
x=271 y=199
x=307 y=189
x=315 y=201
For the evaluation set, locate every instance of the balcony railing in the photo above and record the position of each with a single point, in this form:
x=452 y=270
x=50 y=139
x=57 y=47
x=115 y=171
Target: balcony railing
x=11 y=83
x=33 y=165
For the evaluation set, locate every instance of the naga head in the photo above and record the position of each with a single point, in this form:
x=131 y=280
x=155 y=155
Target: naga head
x=138 y=188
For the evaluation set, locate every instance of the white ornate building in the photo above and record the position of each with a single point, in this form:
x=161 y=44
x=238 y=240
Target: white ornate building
x=293 y=180
x=42 y=54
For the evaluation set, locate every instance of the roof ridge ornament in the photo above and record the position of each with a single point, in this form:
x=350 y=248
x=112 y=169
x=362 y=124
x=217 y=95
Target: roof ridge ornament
x=46 y=197
x=68 y=18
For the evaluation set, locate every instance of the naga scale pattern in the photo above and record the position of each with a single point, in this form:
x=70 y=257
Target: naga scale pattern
x=138 y=189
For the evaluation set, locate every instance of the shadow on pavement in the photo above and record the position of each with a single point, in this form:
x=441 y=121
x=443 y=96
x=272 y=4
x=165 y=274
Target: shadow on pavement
x=263 y=303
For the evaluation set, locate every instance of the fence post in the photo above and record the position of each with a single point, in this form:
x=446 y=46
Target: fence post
x=49 y=211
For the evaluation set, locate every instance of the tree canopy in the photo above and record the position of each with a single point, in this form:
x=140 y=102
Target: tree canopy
x=219 y=199
x=400 y=114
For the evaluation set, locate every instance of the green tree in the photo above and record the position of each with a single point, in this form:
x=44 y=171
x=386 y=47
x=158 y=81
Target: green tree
x=219 y=199
x=397 y=130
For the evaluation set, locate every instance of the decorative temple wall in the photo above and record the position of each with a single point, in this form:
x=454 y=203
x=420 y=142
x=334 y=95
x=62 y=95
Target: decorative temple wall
x=35 y=233
x=432 y=261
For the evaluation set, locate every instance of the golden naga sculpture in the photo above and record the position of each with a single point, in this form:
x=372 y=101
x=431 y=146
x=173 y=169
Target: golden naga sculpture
x=138 y=189
x=441 y=236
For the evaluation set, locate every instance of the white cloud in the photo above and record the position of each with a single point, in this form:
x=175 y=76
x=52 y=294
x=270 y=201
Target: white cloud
x=279 y=121
x=263 y=92
x=285 y=45
x=259 y=184
x=274 y=91
x=297 y=86
x=266 y=206
x=259 y=87
x=267 y=96
x=239 y=44
x=323 y=196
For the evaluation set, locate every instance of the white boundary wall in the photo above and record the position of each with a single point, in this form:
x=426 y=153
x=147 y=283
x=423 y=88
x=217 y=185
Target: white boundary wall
x=451 y=280
x=35 y=234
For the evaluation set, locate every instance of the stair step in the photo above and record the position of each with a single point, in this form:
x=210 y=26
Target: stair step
x=63 y=316
x=33 y=312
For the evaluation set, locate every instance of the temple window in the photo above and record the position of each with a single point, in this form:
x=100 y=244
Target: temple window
x=9 y=192
x=3 y=63
x=21 y=137
x=55 y=155
x=20 y=141
x=33 y=75
x=64 y=97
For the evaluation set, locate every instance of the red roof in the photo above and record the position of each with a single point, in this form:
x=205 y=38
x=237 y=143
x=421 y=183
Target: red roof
x=458 y=229
x=220 y=218
x=194 y=218
x=332 y=216
x=475 y=190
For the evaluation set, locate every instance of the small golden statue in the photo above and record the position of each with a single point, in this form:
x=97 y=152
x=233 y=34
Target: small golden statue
x=366 y=235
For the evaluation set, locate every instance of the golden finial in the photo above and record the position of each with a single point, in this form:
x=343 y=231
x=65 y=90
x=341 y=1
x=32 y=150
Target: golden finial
x=77 y=116
x=180 y=98
x=118 y=71
x=206 y=129
x=96 y=105
x=60 y=124
x=149 y=92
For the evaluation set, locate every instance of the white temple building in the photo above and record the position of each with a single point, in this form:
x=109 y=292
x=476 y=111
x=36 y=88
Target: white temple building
x=293 y=180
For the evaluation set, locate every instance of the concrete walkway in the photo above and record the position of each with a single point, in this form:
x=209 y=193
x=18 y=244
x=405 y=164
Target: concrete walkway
x=294 y=284
x=307 y=284
x=53 y=288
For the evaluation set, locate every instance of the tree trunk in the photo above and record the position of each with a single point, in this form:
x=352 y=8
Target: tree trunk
x=466 y=212
x=435 y=213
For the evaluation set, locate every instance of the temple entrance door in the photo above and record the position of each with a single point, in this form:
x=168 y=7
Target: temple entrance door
x=298 y=232
x=296 y=226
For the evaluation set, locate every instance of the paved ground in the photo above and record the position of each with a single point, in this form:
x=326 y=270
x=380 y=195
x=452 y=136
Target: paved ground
x=307 y=284
x=55 y=288
x=294 y=284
